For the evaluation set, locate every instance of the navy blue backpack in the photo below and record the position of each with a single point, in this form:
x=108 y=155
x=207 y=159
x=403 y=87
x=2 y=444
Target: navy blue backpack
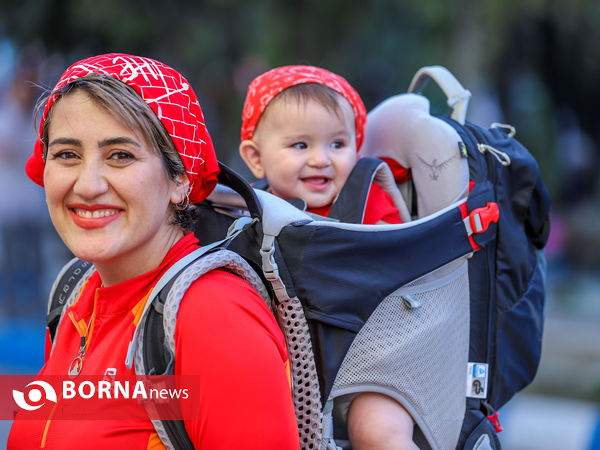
x=506 y=277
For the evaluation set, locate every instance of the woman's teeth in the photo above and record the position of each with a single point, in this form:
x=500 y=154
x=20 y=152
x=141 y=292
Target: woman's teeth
x=86 y=214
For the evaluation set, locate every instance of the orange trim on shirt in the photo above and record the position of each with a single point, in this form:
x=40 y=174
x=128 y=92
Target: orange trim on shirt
x=85 y=329
x=288 y=371
x=90 y=328
x=81 y=292
x=139 y=308
x=48 y=420
x=80 y=325
x=154 y=442
x=81 y=328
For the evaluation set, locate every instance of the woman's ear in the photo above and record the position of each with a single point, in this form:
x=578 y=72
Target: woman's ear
x=181 y=188
x=250 y=153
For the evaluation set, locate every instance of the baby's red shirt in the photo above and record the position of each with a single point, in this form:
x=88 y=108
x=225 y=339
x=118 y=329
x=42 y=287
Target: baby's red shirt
x=380 y=207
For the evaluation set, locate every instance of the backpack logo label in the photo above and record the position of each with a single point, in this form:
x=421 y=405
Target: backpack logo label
x=477 y=380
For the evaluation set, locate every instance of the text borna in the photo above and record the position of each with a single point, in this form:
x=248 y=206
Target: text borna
x=116 y=389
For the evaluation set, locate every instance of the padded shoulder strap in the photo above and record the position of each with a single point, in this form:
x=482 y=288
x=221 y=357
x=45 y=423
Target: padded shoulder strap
x=166 y=306
x=350 y=204
x=156 y=344
x=64 y=291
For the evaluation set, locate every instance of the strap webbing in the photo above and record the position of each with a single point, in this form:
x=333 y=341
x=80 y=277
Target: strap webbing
x=62 y=291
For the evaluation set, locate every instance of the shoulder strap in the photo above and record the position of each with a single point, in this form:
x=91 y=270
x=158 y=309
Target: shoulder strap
x=156 y=355
x=350 y=204
x=153 y=344
x=159 y=324
x=63 y=291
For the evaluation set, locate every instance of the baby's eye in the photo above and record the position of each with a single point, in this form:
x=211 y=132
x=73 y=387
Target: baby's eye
x=337 y=144
x=300 y=145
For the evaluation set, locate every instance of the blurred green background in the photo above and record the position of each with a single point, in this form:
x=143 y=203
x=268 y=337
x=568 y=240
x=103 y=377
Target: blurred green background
x=533 y=64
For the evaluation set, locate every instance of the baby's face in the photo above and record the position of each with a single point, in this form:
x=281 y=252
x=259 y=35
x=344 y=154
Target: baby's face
x=306 y=150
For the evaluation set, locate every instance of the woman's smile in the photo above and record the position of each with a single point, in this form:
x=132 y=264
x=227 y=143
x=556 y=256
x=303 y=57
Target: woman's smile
x=94 y=216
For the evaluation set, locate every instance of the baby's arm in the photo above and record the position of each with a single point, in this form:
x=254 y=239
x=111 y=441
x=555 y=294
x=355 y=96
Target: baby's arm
x=376 y=421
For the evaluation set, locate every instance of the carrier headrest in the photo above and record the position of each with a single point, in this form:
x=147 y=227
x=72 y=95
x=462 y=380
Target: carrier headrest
x=402 y=129
x=402 y=123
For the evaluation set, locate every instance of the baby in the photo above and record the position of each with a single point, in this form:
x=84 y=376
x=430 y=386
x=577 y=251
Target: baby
x=302 y=127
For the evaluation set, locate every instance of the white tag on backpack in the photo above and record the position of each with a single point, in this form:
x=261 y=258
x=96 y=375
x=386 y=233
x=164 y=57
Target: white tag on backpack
x=477 y=380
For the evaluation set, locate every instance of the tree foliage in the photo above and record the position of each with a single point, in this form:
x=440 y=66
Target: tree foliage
x=538 y=58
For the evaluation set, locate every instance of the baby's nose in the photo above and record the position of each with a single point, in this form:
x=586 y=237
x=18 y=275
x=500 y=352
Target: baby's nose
x=319 y=156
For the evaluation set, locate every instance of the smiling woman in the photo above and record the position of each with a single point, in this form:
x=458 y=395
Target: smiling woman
x=107 y=191
x=122 y=152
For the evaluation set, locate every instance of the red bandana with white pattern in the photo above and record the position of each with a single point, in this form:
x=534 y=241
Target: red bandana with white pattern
x=266 y=86
x=171 y=98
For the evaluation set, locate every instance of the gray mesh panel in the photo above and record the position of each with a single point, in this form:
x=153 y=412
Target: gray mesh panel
x=304 y=373
x=418 y=356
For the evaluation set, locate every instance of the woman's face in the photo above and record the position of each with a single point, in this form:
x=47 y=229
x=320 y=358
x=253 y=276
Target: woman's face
x=107 y=190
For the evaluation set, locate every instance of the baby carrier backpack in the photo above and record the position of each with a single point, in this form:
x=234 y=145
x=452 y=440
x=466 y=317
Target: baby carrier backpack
x=380 y=308
x=507 y=277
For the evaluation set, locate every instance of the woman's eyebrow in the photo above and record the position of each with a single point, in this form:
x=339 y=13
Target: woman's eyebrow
x=118 y=140
x=65 y=141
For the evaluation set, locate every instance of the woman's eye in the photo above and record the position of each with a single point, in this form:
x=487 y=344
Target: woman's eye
x=121 y=156
x=63 y=155
x=299 y=145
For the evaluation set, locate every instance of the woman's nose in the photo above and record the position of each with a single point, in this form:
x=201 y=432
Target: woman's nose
x=91 y=180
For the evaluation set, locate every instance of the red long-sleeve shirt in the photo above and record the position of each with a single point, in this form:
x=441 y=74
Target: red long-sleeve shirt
x=225 y=334
x=379 y=207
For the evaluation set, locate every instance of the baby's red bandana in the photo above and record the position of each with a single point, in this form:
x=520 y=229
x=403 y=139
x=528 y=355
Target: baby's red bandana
x=266 y=86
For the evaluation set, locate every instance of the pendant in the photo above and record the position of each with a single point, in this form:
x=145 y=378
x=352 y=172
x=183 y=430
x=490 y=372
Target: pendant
x=75 y=367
